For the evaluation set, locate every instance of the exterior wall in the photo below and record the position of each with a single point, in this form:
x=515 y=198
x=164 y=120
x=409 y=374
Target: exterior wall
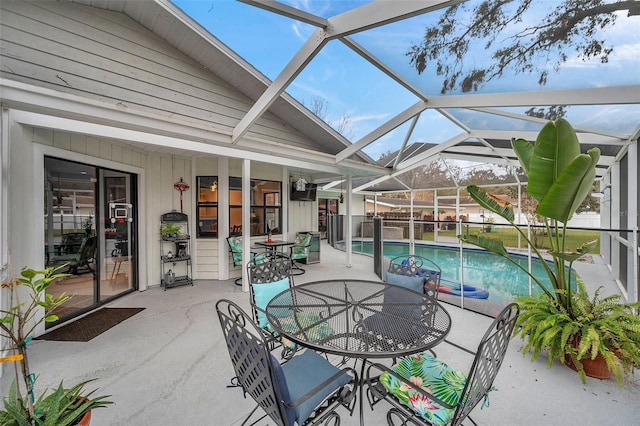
x=106 y=56
x=156 y=175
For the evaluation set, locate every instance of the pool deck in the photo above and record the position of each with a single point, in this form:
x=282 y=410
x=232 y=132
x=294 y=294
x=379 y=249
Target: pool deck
x=168 y=366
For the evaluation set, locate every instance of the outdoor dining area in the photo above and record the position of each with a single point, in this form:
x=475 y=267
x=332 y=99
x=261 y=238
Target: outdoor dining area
x=170 y=363
x=363 y=323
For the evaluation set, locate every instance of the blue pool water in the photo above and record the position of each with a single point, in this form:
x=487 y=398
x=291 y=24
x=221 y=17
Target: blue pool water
x=483 y=269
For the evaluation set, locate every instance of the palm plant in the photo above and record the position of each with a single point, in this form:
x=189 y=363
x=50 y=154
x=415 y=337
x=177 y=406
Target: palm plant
x=559 y=179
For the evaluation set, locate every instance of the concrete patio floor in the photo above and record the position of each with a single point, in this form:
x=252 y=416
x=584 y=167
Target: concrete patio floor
x=168 y=365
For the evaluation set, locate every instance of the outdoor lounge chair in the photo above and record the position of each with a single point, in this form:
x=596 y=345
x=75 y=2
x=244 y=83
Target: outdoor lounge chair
x=444 y=396
x=235 y=248
x=82 y=259
x=305 y=390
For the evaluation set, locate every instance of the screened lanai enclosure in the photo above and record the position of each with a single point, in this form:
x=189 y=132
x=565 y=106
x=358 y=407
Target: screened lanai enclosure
x=366 y=99
x=433 y=94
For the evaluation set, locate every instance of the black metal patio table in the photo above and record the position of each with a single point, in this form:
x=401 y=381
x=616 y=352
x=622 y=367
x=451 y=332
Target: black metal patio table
x=359 y=319
x=273 y=245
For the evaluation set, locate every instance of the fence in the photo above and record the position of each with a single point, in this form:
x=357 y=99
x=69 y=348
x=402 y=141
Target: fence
x=619 y=247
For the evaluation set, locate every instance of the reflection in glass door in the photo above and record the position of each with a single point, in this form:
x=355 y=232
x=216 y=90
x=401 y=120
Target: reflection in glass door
x=70 y=234
x=326 y=207
x=97 y=254
x=117 y=254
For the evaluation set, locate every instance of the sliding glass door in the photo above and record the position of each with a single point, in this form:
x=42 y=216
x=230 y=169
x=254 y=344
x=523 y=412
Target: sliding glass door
x=89 y=223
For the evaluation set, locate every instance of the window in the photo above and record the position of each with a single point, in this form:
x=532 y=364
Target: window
x=207 y=206
x=265 y=209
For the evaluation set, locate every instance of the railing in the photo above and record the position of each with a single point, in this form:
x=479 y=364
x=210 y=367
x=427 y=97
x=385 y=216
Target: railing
x=619 y=247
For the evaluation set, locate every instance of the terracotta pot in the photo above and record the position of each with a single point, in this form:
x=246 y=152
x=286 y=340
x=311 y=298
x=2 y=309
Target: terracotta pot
x=596 y=368
x=85 y=420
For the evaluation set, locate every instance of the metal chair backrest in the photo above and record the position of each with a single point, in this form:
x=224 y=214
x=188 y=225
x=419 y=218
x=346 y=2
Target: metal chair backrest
x=271 y=271
x=487 y=361
x=412 y=265
x=251 y=359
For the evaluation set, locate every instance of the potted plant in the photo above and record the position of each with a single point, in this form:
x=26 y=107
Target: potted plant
x=562 y=319
x=170 y=230
x=64 y=406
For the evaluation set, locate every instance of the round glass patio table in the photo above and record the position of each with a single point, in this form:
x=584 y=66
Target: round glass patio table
x=360 y=319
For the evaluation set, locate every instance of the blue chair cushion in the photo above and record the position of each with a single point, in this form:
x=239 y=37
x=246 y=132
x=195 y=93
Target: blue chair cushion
x=263 y=293
x=300 y=375
x=411 y=282
x=433 y=376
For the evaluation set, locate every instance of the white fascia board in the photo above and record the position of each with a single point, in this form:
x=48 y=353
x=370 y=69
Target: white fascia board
x=396 y=121
x=101 y=130
x=589 y=96
x=44 y=101
x=310 y=48
x=23 y=96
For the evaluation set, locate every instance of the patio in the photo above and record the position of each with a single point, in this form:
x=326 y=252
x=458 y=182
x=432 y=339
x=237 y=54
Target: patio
x=168 y=365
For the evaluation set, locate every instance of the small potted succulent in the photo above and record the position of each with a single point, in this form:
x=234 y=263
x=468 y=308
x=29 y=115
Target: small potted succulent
x=62 y=407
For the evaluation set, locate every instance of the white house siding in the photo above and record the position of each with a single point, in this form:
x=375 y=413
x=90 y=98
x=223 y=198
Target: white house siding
x=161 y=172
x=106 y=56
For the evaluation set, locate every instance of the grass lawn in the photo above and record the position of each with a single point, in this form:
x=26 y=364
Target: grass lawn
x=509 y=236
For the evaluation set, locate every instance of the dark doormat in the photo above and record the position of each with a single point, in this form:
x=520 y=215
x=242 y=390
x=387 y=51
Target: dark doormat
x=90 y=326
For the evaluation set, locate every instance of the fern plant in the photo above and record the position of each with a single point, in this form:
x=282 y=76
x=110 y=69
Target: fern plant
x=597 y=326
x=560 y=177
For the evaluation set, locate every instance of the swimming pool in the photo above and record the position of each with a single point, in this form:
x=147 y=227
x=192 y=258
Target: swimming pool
x=482 y=269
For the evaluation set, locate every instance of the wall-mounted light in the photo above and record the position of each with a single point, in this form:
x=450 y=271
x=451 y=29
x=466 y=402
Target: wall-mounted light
x=214 y=185
x=600 y=194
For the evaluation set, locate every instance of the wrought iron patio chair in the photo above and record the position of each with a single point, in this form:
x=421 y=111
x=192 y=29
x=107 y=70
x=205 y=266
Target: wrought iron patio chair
x=298 y=251
x=266 y=279
x=306 y=390
x=444 y=396
x=235 y=248
x=415 y=266
x=414 y=273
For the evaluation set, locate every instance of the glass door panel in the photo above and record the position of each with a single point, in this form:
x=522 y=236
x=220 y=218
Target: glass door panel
x=70 y=233
x=117 y=250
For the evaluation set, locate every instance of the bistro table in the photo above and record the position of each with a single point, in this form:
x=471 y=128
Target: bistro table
x=359 y=319
x=273 y=245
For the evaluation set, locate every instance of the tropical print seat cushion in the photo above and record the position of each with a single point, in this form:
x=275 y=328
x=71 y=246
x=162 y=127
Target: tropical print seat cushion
x=235 y=244
x=300 y=248
x=433 y=376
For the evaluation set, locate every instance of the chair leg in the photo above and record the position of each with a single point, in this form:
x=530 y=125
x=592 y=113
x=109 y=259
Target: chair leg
x=296 y=269
x=238 y=281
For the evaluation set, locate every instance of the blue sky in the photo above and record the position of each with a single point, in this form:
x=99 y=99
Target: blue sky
x=352 y=87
